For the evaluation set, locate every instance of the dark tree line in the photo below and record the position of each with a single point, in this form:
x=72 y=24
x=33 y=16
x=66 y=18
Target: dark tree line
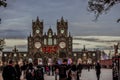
x=99 y=7
x=4 y=4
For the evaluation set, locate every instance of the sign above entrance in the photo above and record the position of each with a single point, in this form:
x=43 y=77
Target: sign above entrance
x=50 y=49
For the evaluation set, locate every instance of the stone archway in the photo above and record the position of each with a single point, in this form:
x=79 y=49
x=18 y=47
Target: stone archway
x=36 y=58
x=89 y=61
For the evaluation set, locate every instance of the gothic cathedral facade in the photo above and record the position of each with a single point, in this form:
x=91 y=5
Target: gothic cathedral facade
x=49 y=44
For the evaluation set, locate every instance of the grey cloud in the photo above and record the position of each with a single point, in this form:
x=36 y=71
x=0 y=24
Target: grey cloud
x=96 y=40
x=13 y=34
x=19 y=15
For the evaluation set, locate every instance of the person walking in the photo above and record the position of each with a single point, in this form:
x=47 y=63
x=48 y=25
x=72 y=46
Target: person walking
x=9 y=72
x=56 y=66
x=18 y=70
x=30 y=72
x=79 y=70
x=88 y=66
x=73 y=72
x=98 y=70
x=39 y=74
x=62 y=70
x=23 y=69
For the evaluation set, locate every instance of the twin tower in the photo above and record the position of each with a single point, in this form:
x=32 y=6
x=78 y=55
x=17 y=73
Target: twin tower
x=45 y=45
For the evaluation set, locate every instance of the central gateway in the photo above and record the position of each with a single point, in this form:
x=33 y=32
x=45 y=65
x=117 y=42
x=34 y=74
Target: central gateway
x=50 y=46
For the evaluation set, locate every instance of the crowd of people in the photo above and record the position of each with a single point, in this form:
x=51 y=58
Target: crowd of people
x=29 y=71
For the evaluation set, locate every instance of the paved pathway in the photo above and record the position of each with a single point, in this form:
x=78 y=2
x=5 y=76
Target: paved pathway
x=106 y=74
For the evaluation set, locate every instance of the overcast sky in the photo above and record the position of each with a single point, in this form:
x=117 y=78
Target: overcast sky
x=18 y=15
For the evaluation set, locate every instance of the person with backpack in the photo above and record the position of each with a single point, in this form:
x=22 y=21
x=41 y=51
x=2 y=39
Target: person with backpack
x=9 y=72
x=30 y=72
x=98 y=70
x=62 y=70
x=39 y=74
x=18 y=70
x=73 y=72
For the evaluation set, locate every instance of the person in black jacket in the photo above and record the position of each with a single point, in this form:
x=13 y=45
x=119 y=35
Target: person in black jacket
x=62 y=70
x=9 y=72
x=18 y=70
x=39 y=74
x=30 y=72
x=79 y=70
x=98 y=70
x=56 y=66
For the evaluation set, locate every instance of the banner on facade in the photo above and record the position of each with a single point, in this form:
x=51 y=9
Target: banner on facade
x=40 y=61
x=50 y=49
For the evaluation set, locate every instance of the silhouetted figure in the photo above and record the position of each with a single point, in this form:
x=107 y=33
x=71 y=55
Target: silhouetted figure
x=18 y=70
x=69 y=71
x=73 y=72
x=30 y=72
x=47 y=70
x=56 y=66
x=39 y=74
x=88 y=66
x=62 y=70
x=116 y=47
x=53 y=70
x=98 y=70
x=9 y=72
x=23 y=69
x=79 y=70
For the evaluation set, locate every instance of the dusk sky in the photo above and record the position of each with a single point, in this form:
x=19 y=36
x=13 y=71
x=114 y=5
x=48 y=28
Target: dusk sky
x=18 y=15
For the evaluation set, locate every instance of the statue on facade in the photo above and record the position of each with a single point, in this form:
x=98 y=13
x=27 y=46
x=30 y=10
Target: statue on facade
x=116 y=47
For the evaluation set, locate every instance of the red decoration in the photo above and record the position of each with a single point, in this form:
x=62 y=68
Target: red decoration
x=49 y=49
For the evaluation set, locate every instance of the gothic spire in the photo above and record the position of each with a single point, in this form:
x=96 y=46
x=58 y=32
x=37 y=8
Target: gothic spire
x=62 y=19
x=37 y=20
x=15 y=49
x=69 y=34
x=84 y=48
x=30 y=34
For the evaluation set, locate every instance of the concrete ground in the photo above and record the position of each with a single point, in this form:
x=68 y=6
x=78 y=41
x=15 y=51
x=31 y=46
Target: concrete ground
x=106 y=74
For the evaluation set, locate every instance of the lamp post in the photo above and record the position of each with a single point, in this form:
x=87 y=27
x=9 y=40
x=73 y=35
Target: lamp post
x=75 y=57
x=24 y=59
x=15 y=55
x=116 y=47
x=0 y=57
x=2 y=43
x=5 y=60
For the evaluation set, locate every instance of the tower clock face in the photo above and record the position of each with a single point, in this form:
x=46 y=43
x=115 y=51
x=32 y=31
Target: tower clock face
x=37 y=31
x=37 y=45
x=62 y=44
x=62 y=31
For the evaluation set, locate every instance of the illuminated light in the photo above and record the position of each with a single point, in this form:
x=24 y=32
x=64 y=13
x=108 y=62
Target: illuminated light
x=24 y=55
x=50 y=49
x=5 y=55
x=84 y=54
x=15 y=55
